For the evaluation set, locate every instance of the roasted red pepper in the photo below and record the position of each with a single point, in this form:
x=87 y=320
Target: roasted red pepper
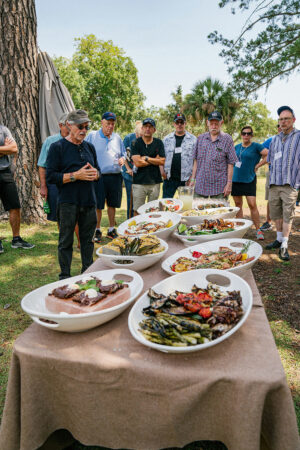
x=197 y=254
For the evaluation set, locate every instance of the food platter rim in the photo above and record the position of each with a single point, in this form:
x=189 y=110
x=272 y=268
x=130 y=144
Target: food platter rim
x=234 y=208
x=136 y=279
x=177 y=200
x=192 y=348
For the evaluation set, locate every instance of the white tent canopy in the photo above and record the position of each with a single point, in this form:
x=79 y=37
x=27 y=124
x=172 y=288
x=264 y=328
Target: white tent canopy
x=54 y=97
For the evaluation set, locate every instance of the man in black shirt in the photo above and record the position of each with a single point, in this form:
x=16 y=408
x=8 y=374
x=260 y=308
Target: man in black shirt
x=72 y=165
x=147 y=155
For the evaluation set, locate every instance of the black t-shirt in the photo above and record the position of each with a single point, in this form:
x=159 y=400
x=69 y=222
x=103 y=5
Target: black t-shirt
x=65 y=157
x=176 y=161
x=150 y=174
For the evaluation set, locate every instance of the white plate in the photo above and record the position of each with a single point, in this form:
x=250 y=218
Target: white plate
x=142 y=209
x=185 y=282
x=138 y=263
x=152 y=217
x=34 y=303
x=235 y=244
x=231 y=211
x=237 y=233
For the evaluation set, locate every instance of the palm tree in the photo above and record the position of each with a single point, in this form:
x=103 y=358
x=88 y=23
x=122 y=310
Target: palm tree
x=207 y=96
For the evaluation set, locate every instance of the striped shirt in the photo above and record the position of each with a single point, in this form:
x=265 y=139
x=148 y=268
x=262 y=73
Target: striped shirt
x=284 y=159
x=212 y=163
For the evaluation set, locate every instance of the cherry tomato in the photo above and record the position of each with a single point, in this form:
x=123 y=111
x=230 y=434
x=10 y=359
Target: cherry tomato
x=205 y=313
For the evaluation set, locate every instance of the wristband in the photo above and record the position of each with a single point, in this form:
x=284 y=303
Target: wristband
x=193 y=179
x=72 y=177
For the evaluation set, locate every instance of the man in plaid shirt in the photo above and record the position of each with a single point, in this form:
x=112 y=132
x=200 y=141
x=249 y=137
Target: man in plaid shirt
x=214 y=158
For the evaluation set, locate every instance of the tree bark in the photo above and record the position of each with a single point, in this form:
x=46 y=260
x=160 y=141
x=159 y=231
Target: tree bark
x=19 y=94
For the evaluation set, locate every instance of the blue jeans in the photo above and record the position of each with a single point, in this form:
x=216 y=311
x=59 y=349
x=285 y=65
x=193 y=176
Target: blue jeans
x=170 y=186
x=128 y=186
x=67 y=216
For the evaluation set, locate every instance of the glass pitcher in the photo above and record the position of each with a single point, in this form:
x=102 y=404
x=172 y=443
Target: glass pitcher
x=186 y=195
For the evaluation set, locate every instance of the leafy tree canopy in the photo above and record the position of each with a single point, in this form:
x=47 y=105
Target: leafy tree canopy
x=101 y=78
x=271 y=51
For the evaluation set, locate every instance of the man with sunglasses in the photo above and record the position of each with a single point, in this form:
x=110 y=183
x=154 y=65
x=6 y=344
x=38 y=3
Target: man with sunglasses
x=214 y=158
x=179 y=148
x=72 y=165
x=284 y=160
x=111 y=155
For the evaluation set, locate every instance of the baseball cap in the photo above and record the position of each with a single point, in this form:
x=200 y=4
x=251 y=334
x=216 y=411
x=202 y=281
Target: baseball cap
x=78 y=116
x=284 y=108
x=179 y=117
x=63 y=118
x=109 y=116
x=151 y=121
x=215 y=115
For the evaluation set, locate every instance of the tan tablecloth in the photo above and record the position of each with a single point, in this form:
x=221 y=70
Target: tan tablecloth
x=109 y=390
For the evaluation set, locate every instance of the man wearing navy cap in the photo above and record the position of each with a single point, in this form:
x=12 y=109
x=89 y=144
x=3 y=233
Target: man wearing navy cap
x=284 y=160
x=179 y=148
x=111 y=156
x=147 y=155
x=214 y=158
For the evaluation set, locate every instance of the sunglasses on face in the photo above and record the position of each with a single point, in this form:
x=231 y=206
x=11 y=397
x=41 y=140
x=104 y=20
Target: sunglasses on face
x=246 y=133
x=179 y=122
x=83 y=127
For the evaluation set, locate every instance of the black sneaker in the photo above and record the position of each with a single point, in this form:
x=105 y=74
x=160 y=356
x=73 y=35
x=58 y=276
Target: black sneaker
x=20 y=243
x=112 y=234
x=1 y=247
x=98 y=236
x=266 y=226
x=284 y=254
x=275 y=244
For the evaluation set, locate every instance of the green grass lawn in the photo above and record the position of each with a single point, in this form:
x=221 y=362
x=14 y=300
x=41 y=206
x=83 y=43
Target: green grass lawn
x=24 y=270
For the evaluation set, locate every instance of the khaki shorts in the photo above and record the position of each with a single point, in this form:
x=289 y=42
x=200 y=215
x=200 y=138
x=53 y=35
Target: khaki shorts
x=267 y=185
x=282 y=201
x=141 y=192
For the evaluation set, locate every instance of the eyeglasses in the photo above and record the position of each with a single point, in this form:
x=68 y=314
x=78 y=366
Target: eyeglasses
x=246 y=133
x=179 y=122
x=83 y=127
x=283 y=119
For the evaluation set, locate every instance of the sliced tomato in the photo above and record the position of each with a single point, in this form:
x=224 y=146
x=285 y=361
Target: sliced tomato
x=197 y=254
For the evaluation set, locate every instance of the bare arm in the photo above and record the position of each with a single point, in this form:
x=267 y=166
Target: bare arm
x=43 y=189
x=157 y=161
x=228 y=186
x=192 y=179
x=139 y=161
x=9 y=148
x=263 y=161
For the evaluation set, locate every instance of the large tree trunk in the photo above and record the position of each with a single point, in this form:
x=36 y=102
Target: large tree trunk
x=19 y=93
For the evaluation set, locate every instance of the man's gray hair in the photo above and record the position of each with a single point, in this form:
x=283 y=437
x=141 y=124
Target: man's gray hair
x=63 y=118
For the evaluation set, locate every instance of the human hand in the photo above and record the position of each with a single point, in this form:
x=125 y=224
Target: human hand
x=44 y=192
x=130 y=172
x=121 y=161
x=227 y=189
x=191 y=182
x=8 y=141
x=256 y=168
x=164 y=175
x=86 y=173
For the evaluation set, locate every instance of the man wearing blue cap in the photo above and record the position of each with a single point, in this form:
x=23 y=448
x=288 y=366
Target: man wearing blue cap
x=111 y=156
x=147 y=155
x=284 y=160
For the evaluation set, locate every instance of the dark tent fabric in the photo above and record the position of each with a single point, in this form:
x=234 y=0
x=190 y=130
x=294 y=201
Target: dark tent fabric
x=54 y=97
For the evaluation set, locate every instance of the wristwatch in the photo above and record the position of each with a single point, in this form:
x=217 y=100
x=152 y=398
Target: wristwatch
x=72 y=178
x=146 y=158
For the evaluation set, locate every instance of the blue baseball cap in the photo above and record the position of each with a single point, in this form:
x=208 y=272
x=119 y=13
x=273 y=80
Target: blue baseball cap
x=215 y=115
x=151 y=121
x=109 y=116
x=285 y=108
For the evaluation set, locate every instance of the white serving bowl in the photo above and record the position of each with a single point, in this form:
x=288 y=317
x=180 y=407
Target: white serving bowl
x=237 y=233
x=152 y=217
x=137 y=263
x=229 y=213
x=34 y=303
x=184 y=282
x=234 y=244
x=154 y=204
